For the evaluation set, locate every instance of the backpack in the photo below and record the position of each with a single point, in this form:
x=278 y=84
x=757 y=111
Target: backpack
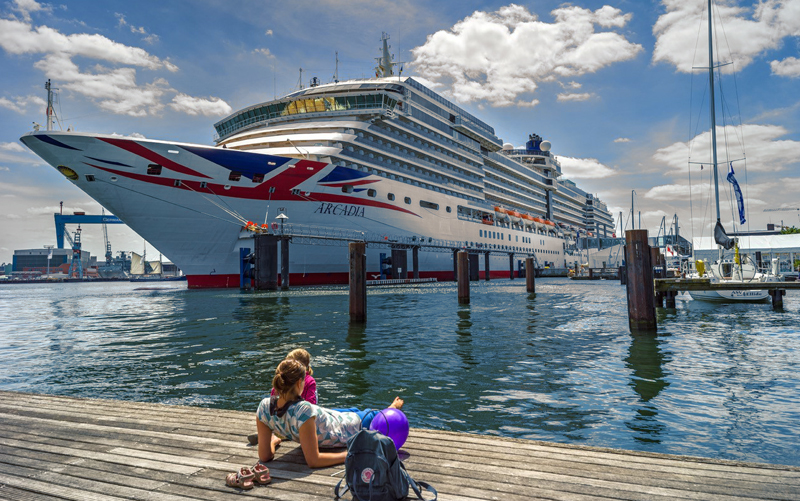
x=373 y=472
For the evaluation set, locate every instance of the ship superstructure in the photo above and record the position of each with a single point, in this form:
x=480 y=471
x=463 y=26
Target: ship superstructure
x=384 y=155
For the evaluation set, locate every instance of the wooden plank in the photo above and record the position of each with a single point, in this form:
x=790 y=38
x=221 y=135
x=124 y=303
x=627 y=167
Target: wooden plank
x=151 y=451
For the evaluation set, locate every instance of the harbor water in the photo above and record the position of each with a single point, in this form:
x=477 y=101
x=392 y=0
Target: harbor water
x=718 y=381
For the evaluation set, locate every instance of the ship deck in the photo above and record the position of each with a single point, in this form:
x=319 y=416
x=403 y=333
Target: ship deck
x=54 y=447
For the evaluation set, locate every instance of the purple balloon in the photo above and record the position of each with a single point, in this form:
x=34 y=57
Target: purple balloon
x=392 y=423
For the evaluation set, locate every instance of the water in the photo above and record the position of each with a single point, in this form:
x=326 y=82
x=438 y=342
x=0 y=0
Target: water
x=718 y=380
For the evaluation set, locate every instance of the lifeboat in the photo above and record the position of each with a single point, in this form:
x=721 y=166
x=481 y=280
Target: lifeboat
x=539 y=222
x=527 y=220
x=501 y=214
x=550 y=226
x=515 y=216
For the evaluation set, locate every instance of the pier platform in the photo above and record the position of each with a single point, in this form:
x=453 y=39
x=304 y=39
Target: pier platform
x=55 y=447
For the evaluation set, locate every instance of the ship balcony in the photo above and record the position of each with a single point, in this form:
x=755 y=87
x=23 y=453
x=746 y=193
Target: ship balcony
x=478 y=133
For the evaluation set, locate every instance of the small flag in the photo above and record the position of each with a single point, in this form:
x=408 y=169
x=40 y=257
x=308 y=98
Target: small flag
x=50 y=256
x=670 y=252
x=738 y=192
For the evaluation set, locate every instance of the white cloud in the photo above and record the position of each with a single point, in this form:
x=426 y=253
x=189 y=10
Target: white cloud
x=12 y=147
x=527 y=104
x=622 y=140
x=13 y=216
x=209 y=107
x=147 y=37
x=26 y=7
x=112 y=88
x=480 y=57
x=20 y=104
x=765 y=150
x=563 y=97
x=682 y=36
x=789 y=67
x=669 y=192
x=584 y=168
x=264 y=52
x=52 y=209
x=268 y=33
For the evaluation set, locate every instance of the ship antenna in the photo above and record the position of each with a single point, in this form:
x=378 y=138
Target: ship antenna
x=51 y=112
x=336 y=73
x=300 y=81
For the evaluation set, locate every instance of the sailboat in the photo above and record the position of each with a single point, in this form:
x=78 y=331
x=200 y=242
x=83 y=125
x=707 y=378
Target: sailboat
x=736 y=270
x=143 y=270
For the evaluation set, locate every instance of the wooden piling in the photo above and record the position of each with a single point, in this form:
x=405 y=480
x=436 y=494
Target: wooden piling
x=463 y=277
x=669 y=297
x=641 y=300
x=358 y=282
x=486 y=266
x=623 y=275
x=530 y=280
x=511 y=266
x=777 y=298
x=284 y=263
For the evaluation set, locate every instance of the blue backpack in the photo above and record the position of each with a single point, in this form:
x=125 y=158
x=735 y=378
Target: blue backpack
x=373 y=472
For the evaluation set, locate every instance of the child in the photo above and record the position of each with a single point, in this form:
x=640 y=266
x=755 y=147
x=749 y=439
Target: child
x=311 y=425
x=309 y=391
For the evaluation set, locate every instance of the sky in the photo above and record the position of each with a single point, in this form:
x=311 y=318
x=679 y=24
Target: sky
x=617 y=87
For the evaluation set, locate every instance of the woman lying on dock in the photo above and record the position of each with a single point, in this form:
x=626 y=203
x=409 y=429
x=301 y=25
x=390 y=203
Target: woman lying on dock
x=312 y=426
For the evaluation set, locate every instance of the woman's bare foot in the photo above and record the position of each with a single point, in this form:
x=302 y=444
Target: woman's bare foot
x=397 y=404
x=275 y=442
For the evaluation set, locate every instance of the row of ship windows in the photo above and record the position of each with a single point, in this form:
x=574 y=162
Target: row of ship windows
x=510 y=248
x=434 y=135
x=301 y=106
x=432 y=160
x=348 y=188
x=501 y=236
x=412 y=168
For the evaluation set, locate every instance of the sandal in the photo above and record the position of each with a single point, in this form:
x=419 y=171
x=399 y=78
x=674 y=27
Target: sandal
x=242 y=479
x=261 y=474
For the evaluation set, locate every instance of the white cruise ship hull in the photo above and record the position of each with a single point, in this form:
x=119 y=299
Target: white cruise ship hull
x=186 y=200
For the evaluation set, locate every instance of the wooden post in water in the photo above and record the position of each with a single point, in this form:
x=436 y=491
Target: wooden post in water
x=530 y=280
x=669 y=297
x=358 y=282
x=284 y=263
x=463 y=277
x=511 y=266
x=777 y=298
x=623 y=275
x=655 y=260
x=415 y=261
x=455 y=265
x=486 y=266
x=641 y=301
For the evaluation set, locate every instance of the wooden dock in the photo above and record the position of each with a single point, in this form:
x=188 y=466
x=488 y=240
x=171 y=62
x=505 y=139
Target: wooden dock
x=84 y=449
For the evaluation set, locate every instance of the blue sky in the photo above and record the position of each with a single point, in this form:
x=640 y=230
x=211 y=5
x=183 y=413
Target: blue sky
x=608 y=83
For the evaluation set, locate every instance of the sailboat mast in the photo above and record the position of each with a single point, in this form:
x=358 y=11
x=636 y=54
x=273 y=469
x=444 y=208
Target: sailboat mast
x=713 y=111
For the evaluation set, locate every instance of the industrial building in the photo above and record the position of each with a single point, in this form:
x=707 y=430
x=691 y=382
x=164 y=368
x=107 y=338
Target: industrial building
x=30 y=262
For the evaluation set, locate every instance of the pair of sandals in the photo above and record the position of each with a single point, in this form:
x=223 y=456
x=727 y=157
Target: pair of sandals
x=245 y=478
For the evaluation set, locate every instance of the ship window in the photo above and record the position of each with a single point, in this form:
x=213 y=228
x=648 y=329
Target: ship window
x=296 y=191
x=371 y=193
x=153 y=170
x=258 y=178
x=428 y=205
x=234 y=176
x=390 y=196
x=407 y=200
x=89 y=177
x=348 y=188
x=449 y=209
x=177 y=183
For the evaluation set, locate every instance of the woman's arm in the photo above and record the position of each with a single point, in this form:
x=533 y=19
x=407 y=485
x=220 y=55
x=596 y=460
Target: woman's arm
x=310 y=446
x=266 y=451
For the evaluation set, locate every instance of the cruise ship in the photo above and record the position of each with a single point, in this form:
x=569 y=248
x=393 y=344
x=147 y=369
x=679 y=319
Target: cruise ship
x=384 y=157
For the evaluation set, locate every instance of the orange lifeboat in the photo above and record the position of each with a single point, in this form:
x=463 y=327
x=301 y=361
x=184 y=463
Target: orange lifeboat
x=527 y=219
x=539 y=223
x=515 y=216
x=501 y=214
x=551 y=226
